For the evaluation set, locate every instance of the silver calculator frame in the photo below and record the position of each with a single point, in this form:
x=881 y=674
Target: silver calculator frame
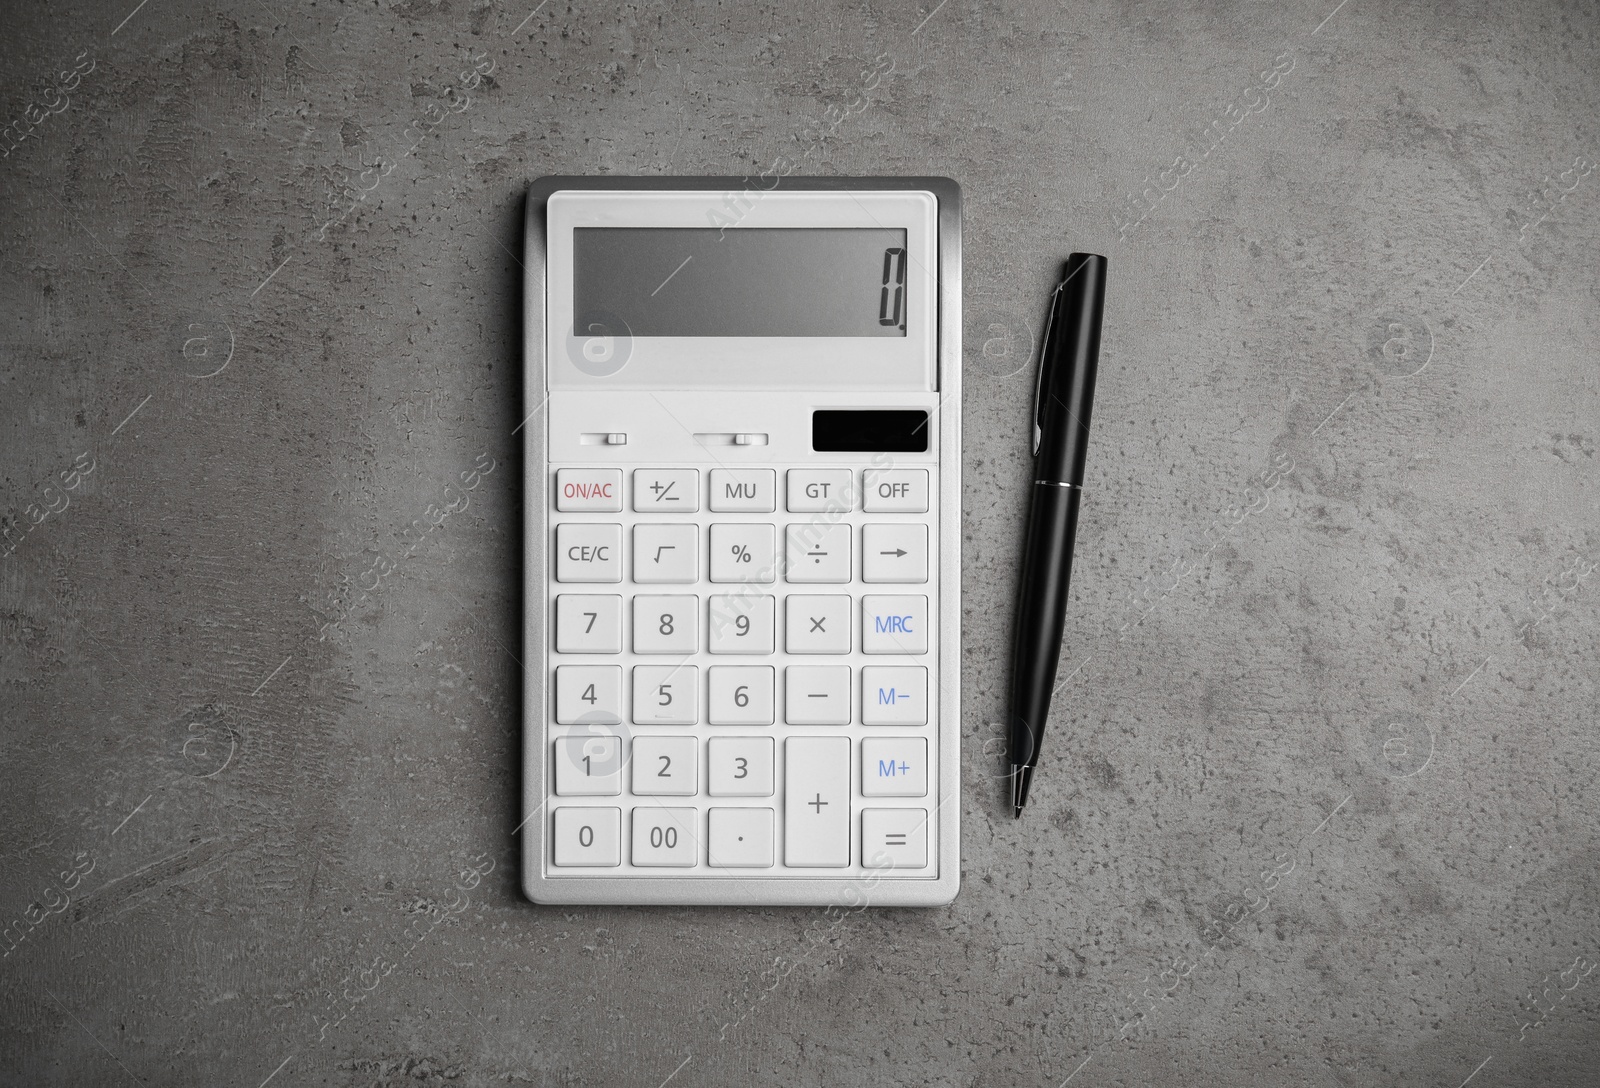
x=848 y=892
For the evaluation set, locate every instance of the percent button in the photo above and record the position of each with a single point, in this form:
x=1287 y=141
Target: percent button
x=742 y=553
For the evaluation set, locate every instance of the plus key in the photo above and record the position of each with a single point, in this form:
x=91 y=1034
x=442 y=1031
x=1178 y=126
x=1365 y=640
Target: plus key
x=816 y=801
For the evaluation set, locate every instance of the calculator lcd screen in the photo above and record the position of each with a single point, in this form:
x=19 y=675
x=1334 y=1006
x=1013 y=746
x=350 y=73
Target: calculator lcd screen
x=700 y=281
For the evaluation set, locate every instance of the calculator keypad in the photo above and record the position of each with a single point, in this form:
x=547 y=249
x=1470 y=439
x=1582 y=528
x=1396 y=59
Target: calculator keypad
x=749 y=690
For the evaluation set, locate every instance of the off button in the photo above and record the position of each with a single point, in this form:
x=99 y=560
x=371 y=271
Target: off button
x=589 y=489
x=895 y=490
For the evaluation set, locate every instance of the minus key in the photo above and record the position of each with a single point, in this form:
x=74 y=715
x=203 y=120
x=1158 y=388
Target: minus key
x=817 y=694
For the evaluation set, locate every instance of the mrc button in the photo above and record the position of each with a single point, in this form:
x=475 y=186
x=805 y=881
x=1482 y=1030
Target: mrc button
x=598 y=489
x=894 y=624
x=895 y=490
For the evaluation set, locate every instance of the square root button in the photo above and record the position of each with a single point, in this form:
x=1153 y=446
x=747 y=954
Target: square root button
x=894 y=838
x=894 y=624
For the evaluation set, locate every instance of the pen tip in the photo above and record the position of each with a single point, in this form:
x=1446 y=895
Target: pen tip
x=1021 y=776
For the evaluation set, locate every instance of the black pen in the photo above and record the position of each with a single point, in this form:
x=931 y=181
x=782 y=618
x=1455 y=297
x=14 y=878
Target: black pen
x=1060 y=445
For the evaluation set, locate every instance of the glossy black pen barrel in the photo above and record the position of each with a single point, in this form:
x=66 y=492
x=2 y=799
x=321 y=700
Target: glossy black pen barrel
x=1041 y=613
x=1067 y=370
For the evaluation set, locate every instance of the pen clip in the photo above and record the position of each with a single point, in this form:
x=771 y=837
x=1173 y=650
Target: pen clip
x=1038 y=381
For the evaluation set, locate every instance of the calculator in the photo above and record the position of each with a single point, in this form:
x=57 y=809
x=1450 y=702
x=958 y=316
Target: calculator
x=742 y=624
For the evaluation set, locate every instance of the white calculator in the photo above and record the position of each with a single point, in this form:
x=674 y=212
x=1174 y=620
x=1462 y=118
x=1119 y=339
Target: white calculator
x=742 y=627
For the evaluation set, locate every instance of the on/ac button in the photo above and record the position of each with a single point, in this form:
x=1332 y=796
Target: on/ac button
x=598 y=489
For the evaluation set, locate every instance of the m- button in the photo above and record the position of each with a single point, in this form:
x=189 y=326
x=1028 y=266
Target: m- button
x=895 y=490
x=894 y=695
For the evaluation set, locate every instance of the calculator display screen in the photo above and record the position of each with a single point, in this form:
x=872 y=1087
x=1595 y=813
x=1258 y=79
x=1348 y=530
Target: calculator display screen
x=701 y=281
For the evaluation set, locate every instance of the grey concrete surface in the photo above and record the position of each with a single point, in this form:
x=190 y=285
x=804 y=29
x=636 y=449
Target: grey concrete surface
x=1317 y=804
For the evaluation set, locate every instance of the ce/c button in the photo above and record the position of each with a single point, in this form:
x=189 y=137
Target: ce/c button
x=588 y=553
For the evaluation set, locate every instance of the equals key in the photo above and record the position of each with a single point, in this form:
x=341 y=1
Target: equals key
x=894 y=838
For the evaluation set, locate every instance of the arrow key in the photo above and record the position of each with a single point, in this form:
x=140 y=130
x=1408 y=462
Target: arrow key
x=894 y=553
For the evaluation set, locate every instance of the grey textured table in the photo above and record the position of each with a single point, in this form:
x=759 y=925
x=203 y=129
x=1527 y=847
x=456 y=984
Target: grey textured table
x=1316 y=807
